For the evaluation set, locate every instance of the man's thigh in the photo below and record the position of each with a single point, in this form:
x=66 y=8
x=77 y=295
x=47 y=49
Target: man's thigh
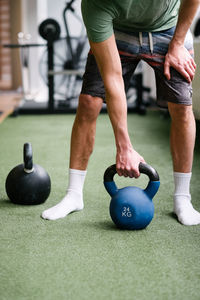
x=92 y=82
x=177 y=89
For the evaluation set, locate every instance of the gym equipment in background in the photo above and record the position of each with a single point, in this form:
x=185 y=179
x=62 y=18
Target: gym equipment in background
x=62 y=66
x=24 y=46
x=24 y=61
x=28 y=102
x=68 y=56
x=132 y=207
x=28 y=183
x=49 y=29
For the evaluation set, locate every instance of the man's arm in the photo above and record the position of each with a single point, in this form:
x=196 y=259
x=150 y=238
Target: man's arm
x=178 y=56
x=108 y=60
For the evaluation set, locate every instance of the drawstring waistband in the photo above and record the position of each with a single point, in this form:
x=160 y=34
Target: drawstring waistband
x=150 y=41
x=140 y=38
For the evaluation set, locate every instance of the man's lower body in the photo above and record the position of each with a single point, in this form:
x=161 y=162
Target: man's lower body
x=176 y=94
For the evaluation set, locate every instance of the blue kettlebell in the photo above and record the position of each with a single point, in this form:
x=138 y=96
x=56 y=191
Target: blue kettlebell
x=132 y=207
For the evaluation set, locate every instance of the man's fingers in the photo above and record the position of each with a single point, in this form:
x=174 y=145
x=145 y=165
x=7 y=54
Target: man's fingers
x=190 y=70
x=167 y=70
x=182 y=62
x=193 y=63
x=192 y=66
x=187 y=72
x=128 y=172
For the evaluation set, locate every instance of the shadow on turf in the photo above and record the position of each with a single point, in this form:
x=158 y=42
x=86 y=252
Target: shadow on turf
x=5 y=203
x=105 y=225
x=109 y=225
x=172 y=215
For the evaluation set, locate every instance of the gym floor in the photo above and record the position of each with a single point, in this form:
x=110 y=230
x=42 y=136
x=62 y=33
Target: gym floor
x=84 y=256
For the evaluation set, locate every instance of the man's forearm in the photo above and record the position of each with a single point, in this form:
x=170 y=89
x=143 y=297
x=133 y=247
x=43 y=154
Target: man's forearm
x=117 y=110
x=108 y=60
x=187 y=13
x=109 y=64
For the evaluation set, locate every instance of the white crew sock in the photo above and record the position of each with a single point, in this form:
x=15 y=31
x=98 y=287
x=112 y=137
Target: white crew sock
x=183 y=208
x=73 y=201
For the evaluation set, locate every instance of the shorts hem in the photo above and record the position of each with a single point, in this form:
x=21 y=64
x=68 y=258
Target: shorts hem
x=93 y=95
x=164 y=104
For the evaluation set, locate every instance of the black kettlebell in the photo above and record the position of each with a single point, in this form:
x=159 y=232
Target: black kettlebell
x=132 y=207
x=28 y=184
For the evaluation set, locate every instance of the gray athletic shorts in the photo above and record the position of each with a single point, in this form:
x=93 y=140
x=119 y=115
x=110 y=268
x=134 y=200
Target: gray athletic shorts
x=151 y=48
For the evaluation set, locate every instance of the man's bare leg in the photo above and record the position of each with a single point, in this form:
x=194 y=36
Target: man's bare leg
x=182 y=141
x=82 y=143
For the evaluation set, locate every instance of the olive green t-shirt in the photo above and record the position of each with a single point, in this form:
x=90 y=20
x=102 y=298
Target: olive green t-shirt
x=102 y=16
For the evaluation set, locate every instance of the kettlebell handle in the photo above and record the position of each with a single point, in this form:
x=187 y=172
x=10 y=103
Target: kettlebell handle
x=143 y=168
x=28 y=158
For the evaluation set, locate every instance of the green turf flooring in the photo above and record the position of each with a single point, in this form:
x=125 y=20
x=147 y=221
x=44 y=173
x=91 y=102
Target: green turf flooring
x=84 y=256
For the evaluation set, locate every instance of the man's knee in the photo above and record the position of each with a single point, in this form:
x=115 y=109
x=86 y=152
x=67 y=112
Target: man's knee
x=179 y=112
x=89 y=107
